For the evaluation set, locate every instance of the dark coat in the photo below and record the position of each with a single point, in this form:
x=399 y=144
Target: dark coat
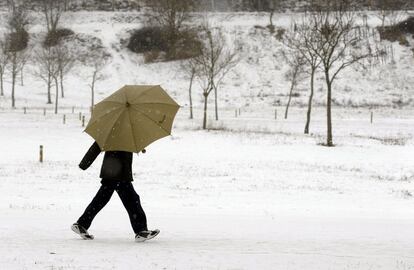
x=116 y=165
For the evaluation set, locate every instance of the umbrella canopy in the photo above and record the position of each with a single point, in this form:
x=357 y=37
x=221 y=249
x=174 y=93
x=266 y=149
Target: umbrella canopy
x=132 y=118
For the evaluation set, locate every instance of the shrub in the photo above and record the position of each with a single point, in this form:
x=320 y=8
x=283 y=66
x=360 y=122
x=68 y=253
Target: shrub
x=153 y=40
x=147 y=39
x=54 y=37
x=18 y=41
x=407 y=26
x=188 y=46
x=397 y=32
x=392 y=34
x=280 y=33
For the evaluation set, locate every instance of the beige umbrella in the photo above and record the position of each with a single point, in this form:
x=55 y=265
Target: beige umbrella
x=132 y=118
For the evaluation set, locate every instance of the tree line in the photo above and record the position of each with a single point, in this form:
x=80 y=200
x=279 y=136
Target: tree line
x=51 y=61
x=219 y=5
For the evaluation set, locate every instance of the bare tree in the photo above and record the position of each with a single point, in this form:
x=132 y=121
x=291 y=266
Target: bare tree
x=65 y=62
x=390 y=12
x=52 y=10
x=66 y=4
x=17 y=40
x=215 y=61
x=294 y=75
x=301 y=40
x=190 y=68
x=273 y=6
x=4 y=61
x=97 y=75
x=47 y=68
x=337 y=46
x=22 y=71
x=171 y=16
x=17 y=58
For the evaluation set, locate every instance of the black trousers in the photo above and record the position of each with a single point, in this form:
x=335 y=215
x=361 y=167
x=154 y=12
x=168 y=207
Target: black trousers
x=129 y=198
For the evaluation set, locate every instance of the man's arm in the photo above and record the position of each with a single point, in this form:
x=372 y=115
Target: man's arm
x=90 y=156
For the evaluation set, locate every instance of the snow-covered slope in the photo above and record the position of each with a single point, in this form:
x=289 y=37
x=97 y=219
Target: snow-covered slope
x=257 y=80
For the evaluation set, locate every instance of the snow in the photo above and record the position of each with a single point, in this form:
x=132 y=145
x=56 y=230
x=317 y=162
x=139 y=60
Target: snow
x=257 y=80
x=222 y=199
x=253 y=192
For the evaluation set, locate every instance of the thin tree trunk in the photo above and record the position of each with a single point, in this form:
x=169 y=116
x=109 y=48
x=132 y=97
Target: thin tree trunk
x=190 y=96
x=61 y=84
x=13 y=89
x=57 y=95
x=93 y=89
x=205 y=111
x=329 y=139
x=271 y=18
x=49 y=95
x=1 y=84
x=292 y=86
x=216 y=103
x=21 y=77
x=14 y=74
x=308 y=115
x=213 y=5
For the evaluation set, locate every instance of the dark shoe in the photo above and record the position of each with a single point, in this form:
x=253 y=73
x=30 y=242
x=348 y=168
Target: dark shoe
x=146 y=235
x=81 y=231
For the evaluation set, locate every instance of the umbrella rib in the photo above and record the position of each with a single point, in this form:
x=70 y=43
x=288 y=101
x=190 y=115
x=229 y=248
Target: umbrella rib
x=158 y=103
x=109 y=112
x=143 y=92
x=132 y=130
x=117 y=102
x=151 y=120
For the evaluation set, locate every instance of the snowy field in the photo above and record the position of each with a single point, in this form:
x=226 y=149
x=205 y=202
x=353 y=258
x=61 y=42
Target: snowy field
x=255 y=198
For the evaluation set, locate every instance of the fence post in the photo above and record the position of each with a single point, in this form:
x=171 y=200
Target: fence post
x=235 y=113
x=73 y=109
x=83 y=121
x=80 y=116
x=275 y=114
x=372 y=117
x=64 y=119
x=41 y=154
x=44 y=111
x=24 y=109
x=239 y=111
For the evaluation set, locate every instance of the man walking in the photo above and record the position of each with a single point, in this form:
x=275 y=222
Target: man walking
x=116 y=174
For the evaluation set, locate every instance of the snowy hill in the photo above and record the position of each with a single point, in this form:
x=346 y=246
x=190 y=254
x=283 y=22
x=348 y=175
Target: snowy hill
x=258 y=79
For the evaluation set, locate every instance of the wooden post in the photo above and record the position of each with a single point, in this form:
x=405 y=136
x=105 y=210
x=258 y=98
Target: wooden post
x=41 y=154
x=372 y=117
x=83 y=121
x=24 y=109
x=80 y=116
x=239 y=111
x=235 y=113
x=275 y=114
x=64 y=119
x=73 y=109
x=44 y=111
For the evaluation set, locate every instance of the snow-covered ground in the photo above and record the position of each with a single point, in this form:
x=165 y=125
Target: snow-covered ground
x=272 y=199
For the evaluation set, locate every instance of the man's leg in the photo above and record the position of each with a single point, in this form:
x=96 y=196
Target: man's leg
x=99 y=201
x=132 y=203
